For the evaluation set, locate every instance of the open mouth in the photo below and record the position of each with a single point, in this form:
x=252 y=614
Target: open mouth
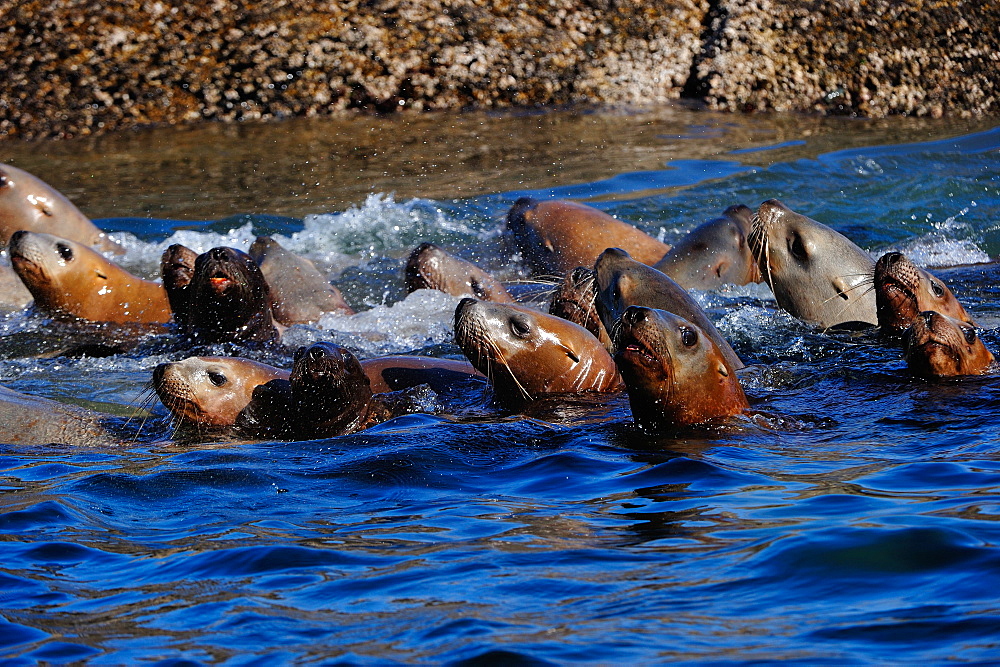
x=635 y=353
x=219 y=282
x=895 y=291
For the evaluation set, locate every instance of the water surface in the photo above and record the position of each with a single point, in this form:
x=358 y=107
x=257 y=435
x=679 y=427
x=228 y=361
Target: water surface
x=855 y=520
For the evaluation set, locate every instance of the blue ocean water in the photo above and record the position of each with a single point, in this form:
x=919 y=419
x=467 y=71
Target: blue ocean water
x=857 y=519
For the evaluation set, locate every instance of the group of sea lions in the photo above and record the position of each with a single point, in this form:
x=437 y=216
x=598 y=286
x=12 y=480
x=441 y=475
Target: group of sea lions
x=620 y=317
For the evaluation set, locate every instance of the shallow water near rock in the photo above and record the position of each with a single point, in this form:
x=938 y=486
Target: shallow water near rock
x=854 y=518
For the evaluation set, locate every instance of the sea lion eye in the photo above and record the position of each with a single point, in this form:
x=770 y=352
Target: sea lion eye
x=970 y=335
x=937 y=289
x=519 y=327
x=64 y=251
x=218 y=379
x=689 y=337
x=797 y=247
x=477 y=289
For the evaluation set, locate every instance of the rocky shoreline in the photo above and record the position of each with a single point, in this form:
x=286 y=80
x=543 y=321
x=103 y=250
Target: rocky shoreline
x=81 y=67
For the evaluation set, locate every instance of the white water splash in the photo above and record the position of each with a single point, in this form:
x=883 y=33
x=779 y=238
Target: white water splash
x=952 y=243
x=379 y=226
x=423 y=318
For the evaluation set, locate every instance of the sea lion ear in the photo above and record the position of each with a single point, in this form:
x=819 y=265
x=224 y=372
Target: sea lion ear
x=723 y=371
x=571 y=354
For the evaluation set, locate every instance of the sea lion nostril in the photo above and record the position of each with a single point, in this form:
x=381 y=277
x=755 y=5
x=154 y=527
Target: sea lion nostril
x=634 y=315
x=316 y=353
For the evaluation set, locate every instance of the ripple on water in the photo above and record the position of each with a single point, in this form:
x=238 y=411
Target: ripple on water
x=852 y=518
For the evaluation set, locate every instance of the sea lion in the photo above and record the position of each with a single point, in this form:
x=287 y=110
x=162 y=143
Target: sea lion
x=226 y=300
x=29 y=203
x=431 y=267
x=624 y=282
x=13 y=294
x=177 y=269
x=937 y=345
x=397 y=372
x=576 y=300
x=527 y=354
x=211 y=391
x=33 y=420
x=817 y=274
x=328 y=394
x=714 y=254
x=903 y=291
x=300 y=294
x=674 y=374
x=557 y=236
x=69 y=279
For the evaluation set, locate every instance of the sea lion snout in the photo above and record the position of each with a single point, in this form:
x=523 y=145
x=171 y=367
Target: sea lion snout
x=635 y=315
x=888 y=259
x=938 y=345
x=517 y=215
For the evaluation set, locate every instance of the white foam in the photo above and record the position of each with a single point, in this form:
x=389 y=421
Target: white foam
x=379 y=226
x=951 y=243
x=143 y=258
x=937 y=250
x=422 y=319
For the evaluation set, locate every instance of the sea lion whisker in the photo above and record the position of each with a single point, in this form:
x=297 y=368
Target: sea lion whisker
x=847 y=304
x=839 y=295
x=545 y=279
x=766 y=258
x=503 y=360
x=142 y=404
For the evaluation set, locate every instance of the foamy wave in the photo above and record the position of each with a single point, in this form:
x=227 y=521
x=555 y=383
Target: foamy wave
x=422 y=319
x=143 y=257
x=937 y=250
x=950 y=244
x=379 y=226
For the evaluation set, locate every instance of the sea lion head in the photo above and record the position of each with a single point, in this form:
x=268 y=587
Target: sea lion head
x=673 y=372
x=903 y=291
x=526 y=353
x=210 y=391
x=576 y=300
x=624 y=282
x=228 y=298
x=619 y=283
x=937 y=345
x=29 y=203
x=715 y=253
x=332 y=393
x=431 y=267
x=537 y=249
x=63 y=276
x=556 y=236
x=177 y=269
x=817 y=274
